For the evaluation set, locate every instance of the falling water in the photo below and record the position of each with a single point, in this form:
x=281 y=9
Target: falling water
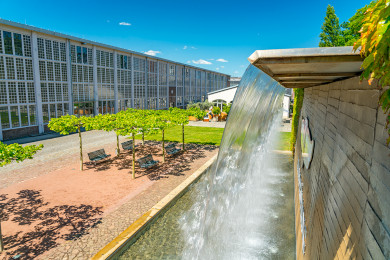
x=233 y=211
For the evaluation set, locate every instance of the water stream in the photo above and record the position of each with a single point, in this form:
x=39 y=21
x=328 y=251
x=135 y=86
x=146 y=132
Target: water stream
x=238 y=210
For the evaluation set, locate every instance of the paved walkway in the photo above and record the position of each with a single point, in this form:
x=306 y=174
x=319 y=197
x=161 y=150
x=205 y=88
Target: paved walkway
x=208 y=124
x=82 y=221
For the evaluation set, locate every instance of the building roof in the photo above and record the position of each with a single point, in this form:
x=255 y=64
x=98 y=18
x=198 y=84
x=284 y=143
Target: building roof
x=84 y=41
x=222 y=90
x=308 y=67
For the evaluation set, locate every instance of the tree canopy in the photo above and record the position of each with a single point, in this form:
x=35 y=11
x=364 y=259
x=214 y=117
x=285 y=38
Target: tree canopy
x=331 y=35
x=16 y=152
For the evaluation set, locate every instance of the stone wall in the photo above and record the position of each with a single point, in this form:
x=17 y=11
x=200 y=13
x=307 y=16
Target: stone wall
x=346 y=190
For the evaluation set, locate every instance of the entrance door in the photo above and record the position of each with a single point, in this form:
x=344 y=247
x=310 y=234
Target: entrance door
x=172 y=96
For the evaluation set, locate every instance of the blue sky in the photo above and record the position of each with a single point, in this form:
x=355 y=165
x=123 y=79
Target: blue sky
x=220 y=33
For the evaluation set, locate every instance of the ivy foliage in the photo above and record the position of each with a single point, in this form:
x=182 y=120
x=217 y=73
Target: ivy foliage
x=298 y=101
x=16 y=152
x=375 y=46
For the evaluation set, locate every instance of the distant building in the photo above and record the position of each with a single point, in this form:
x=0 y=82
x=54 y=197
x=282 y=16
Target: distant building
x=234 y=81
x=222 y=96
x=45 y=74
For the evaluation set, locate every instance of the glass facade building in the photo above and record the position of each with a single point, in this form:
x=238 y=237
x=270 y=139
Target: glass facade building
x=44 y=74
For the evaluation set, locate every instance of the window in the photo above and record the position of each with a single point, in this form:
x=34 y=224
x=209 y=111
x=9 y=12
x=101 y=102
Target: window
x=85 y=55
x=172 y=70
x=18 y=44
x=7 y=42
x=78 y=54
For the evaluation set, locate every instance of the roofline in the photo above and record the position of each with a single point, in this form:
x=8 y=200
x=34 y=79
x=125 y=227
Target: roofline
x=220 y=90
x=303 y=52
x=81 y=40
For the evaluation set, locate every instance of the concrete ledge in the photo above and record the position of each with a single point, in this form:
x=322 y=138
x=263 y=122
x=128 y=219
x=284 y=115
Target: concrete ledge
x=131 y=234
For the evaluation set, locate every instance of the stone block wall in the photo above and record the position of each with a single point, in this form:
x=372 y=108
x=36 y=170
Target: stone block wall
x=346 y=190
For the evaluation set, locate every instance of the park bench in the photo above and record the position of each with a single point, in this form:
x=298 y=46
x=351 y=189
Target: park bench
x=128 y=145
x=97 y=155
x=171 y=149
x=147 y=161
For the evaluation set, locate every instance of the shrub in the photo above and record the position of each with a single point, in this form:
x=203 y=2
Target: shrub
x=298 y=101
x=196 y=112
x=226 y=108
x=216 y=111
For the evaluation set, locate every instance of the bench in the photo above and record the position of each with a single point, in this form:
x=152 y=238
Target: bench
x=128 y=145
x=171 y=149
x=147 y=161
x=97 y=155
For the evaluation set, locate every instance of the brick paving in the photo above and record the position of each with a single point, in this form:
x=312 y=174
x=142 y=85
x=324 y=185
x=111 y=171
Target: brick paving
x=110 y=221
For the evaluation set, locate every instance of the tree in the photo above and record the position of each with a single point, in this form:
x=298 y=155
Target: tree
x=15 y=152
x=180 y=117
x=127 y=125
x=375 y=46
x=351 y=32
x=108 y=122
x=162 y=121
x=331 y=35
x=69 y=124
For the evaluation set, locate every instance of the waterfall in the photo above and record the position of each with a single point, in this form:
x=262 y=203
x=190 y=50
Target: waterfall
x=233 y=210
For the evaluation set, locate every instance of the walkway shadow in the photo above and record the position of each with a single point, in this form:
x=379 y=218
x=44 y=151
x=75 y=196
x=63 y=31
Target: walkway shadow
x=49 y=225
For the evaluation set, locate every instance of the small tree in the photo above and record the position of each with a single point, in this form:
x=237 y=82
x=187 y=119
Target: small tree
x=69 y=124
x=127 y=125
x=108 y=122
x=180 y=117
x=331 y=35
x=162 y=121
x=196 y=112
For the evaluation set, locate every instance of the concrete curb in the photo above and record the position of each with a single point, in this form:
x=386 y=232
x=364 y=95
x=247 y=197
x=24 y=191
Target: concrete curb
x=131 y=234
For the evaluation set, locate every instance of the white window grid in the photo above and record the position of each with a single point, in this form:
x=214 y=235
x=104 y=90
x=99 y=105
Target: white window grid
x=163 y=85
x=203 y=85
x=54 y=78
x=198 y=86
x=17 y=93
x=139 y=82
x=152 y=84
x=82 y=74
x=124 y=67
x=172 y=75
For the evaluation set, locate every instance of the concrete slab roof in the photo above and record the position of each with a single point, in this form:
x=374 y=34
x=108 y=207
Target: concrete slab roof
x=308 y=67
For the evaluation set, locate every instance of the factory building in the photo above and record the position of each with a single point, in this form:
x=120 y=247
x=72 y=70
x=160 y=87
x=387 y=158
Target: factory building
x=45 y=74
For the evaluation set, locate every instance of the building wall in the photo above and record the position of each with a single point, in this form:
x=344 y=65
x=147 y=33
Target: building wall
x=226 y=95
x=346 y=190
x=44 y=75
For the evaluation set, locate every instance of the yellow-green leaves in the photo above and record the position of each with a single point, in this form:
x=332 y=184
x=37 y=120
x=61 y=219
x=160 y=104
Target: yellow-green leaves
x=375 y=45
x=16 y=152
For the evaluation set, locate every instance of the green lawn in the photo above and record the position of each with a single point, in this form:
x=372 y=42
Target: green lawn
x=192 y=134
x=284 y=141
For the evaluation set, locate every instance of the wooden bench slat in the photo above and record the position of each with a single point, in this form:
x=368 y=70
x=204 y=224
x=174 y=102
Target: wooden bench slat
x=147 y=161
x=98 y=155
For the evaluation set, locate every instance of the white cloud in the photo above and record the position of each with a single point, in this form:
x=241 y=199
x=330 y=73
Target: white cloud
x=222 y=67
x=210 y=59
x=185 y=47
x=222 y=60
x=236 y=72
x=242 y=66
x=125 y=23
x=188 y=61
x=192 y=47
x=152 y=53
x=200 y=61
x=217 y=68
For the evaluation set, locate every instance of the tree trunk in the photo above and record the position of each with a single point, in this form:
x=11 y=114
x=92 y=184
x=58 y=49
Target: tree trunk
x=143 y=138
x=163 y=145
x=118 y=150
x=1 y=240
x=133 y=156
x=182 y=129
x=81 y=150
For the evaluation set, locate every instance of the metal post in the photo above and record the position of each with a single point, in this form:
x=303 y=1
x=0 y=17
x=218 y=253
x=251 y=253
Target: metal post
x=158 y=85
x=37 y=81
x=69 y=77
x=132 y=81
x=95 y=82
x=116 y=82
